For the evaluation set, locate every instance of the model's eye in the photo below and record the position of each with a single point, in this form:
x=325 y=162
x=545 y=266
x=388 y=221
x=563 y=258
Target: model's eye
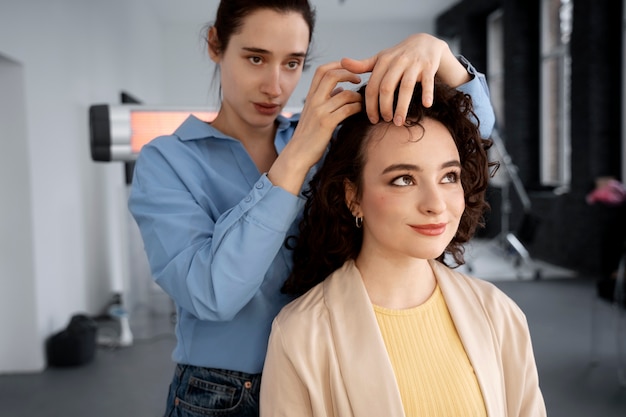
x=256 y=60
x=292 y=65
x=451 y=177
x=403 y=181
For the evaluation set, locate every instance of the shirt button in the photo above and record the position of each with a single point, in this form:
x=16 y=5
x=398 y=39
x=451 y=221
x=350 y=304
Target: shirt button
x=248 y=199
x=259 y=185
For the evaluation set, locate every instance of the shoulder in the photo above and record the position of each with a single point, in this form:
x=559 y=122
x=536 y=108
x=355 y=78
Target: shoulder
x=312 y=313
x=489 y=297
x=316 y=305
x=308 y=308
x=191 y=129
x=302 y=325
x=177 y=151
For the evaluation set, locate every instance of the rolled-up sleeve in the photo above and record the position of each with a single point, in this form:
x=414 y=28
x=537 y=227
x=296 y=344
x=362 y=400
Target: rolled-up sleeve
x=478 y=89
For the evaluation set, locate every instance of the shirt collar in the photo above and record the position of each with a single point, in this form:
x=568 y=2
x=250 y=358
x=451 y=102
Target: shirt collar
x=193 y=128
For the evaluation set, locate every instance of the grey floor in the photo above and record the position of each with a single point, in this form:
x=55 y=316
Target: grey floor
x=560 y=307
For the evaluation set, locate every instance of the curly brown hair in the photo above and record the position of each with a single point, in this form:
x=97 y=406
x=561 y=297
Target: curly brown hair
x=328 y=236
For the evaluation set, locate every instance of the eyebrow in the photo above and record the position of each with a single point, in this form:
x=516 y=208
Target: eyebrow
x=266 y=52
x=412 y=167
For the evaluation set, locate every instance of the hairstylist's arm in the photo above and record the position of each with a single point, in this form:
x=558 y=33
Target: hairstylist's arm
x=211 y=263
x=324 y=108
x=416 y=59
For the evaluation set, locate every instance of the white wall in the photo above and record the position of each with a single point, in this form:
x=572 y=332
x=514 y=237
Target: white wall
x=63 y=216
x=16 y=239
x=67 y=55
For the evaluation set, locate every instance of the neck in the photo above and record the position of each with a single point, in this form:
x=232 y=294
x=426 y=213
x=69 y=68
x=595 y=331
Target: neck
x=396 y=284
x=238 y=129
x=258 y=141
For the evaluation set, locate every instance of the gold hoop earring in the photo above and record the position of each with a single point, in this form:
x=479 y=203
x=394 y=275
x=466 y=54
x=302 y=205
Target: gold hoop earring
x=358 y=221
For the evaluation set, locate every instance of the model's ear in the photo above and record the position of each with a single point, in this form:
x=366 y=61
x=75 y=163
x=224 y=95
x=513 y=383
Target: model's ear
x=351 y=198
x=214 y=45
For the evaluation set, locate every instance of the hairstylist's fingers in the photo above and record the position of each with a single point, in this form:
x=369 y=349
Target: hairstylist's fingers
x=319 y=75
x=319 y=118
x=325 y=107
x=371 y=97
x=428 y=85
x=378 y=97
x=359 y=66
x=405 y=95
x=333 y=104
x=416 y=59
x=423 y=74
x=336 y=91
x=427 y=78
x=390 y=68
x=325 y=98
x=349 y=104
x=400 y=75
x=327 y=77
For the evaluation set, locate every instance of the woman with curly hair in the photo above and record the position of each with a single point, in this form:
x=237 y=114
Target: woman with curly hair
x=383 y=326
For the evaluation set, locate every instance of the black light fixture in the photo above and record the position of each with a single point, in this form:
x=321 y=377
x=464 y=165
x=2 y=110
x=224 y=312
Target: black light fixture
x=118 y=132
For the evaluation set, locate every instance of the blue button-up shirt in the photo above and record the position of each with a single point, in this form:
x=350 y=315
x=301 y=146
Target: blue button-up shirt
x=214 y=230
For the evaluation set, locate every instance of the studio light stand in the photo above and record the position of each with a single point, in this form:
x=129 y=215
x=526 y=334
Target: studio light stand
x=506 y=241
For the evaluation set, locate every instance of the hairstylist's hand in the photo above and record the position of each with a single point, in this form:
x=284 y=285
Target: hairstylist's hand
x=416 y=59
x=325 y=107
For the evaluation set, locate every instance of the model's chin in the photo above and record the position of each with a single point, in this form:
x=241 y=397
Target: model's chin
x=432 y=250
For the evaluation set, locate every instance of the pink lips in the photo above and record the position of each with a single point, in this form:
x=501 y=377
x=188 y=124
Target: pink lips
x=430 y=229
x=267 y=109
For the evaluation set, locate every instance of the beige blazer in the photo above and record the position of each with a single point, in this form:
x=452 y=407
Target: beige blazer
x=326 y=356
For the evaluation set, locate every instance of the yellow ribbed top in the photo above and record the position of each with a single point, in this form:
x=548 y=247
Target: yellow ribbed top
x=433 y=371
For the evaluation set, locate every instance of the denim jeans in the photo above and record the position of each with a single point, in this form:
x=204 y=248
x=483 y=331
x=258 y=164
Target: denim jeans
x=197 y=391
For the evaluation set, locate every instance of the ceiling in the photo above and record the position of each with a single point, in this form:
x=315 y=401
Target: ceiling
x=194 y=11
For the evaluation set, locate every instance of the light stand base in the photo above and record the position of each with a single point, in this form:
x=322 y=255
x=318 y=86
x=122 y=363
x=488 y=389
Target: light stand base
x=506 y=240
x=507 y=244
x=522 y=254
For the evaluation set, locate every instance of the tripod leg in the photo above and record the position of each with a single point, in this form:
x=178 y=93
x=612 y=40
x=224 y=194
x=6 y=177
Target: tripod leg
x=523 y=253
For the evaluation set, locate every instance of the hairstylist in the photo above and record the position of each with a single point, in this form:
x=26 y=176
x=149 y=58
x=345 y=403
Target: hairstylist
x=215 y=201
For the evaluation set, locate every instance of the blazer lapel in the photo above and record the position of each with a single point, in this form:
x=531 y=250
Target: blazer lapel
x=361 y=353
x=476 y=335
